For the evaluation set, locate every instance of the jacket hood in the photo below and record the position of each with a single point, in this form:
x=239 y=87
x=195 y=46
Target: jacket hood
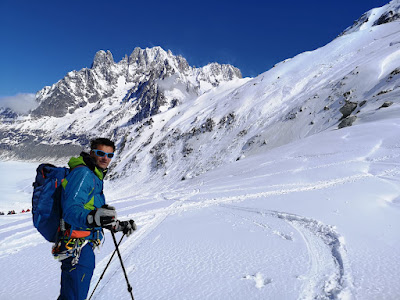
x=86 y=160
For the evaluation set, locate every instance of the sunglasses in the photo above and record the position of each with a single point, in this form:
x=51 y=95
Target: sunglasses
x=100 y=153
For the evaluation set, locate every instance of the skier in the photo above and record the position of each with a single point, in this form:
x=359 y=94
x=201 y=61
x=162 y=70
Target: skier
x=85 y=214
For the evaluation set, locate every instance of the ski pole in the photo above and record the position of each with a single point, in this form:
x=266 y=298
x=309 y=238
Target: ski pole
x=122 y=264
x=101 y=277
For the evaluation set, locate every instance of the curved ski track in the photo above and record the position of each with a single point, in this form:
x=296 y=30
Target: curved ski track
x=329 y=275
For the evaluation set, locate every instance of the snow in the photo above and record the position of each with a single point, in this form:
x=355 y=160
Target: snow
x=316 y=218
x=277 y=203
x=390 y=63
x=16 y=185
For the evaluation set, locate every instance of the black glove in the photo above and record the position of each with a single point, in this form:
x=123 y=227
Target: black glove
x=104 y=216
x=127 y=227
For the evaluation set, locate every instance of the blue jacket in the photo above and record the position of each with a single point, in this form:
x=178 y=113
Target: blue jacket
x=82 y=192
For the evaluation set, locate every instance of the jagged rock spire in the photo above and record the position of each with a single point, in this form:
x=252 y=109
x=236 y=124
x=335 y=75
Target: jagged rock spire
x=133 y=78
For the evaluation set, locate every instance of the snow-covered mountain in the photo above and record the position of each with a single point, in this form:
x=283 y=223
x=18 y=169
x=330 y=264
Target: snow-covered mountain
x=283 y=186
x=105 y=97
x=164 y=114
x=376 y=17
x=135 y=79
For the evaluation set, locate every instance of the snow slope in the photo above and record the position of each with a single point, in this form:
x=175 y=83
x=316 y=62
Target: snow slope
x=16 y=185
x=314 y=219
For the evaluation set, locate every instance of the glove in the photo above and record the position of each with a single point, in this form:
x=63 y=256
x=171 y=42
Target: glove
x=104 y=216
x=127 y=227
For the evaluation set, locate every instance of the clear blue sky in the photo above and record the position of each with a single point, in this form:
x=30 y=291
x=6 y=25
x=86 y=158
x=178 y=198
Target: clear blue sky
x=43 y=40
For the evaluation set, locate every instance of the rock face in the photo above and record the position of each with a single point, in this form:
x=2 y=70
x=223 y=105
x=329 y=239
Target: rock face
x=141 y=79
x=141 y=85
x=388 y=17
x=376 y=17
x=386 y=104
x=7 y=115
x=348 y=108
x=346 y=122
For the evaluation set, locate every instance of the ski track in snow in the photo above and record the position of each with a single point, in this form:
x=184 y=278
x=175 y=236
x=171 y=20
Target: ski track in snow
x=152 y=221
x=329 y=276
x=20 y=240
x=18 y=235
x=19 y=226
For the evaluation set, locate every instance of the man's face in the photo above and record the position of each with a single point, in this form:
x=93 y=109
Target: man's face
x=102 y=162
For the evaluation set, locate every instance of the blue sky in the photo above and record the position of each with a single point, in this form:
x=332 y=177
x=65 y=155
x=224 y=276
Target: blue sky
x=43 y=40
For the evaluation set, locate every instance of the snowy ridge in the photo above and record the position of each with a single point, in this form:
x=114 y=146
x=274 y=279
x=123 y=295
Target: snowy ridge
x=377 y=16
x=340 y=84
x=126 y=80
x=104 y=98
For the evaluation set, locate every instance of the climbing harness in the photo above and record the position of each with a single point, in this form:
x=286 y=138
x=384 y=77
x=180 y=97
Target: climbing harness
x=72 y=247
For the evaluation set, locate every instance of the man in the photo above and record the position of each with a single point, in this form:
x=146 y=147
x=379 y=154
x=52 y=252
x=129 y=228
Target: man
x=85 y=213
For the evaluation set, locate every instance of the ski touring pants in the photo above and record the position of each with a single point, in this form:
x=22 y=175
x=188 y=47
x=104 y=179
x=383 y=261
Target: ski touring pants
x=75 y=280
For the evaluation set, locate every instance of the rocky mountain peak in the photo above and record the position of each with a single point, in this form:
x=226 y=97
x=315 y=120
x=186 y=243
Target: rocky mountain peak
x=135 y=80
x=102 y=58
x=146 y=56
x=223 y=72
x=151 y=57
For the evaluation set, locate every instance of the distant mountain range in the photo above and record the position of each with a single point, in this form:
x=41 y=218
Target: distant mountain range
x=137 y=80
x=175 y=121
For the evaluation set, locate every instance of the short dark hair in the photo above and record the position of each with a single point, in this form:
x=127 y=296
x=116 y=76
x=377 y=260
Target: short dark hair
x=101 y=141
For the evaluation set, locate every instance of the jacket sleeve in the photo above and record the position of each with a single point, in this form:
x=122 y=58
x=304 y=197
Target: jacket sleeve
x=76 y=192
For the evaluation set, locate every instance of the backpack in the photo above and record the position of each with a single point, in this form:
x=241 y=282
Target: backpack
x=46 y=200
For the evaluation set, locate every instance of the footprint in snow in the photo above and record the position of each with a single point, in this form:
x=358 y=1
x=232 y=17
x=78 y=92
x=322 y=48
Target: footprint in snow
x=288 y=237
x=258 y=279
